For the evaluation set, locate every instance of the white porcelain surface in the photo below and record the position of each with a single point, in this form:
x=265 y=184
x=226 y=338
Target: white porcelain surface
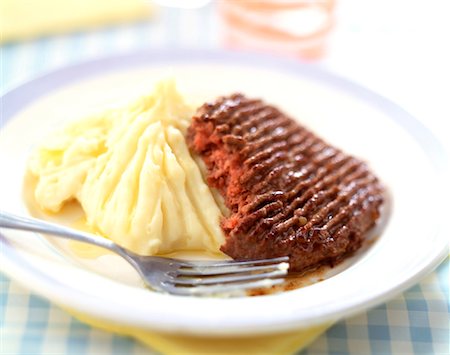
x=402 y=154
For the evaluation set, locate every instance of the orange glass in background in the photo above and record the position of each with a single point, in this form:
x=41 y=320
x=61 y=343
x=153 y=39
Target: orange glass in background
x=292 y=27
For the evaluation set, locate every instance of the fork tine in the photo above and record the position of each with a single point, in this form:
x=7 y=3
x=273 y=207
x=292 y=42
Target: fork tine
x=229 y=269
x=233 y=278
x=221 y=289
x=214 y=263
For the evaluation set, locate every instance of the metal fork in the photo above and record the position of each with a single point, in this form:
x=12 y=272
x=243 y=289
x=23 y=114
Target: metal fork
x=174 y=276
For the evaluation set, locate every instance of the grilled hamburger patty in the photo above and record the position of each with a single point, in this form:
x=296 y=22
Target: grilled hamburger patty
x=289 y=192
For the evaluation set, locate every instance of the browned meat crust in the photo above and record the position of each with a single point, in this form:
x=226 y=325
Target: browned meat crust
x=289 y=192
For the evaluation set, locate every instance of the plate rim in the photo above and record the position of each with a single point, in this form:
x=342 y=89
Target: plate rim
x=25 y=93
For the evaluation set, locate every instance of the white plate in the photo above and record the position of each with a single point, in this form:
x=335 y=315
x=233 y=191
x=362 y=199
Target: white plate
x=400 y=150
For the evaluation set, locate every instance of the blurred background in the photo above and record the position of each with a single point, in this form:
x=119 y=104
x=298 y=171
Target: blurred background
x=398 y=48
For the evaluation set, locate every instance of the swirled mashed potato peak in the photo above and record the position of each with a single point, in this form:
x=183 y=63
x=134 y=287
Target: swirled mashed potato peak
x=133 y=175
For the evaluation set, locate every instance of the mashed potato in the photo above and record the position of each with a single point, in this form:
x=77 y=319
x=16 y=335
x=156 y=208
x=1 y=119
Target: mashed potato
x=133 y=175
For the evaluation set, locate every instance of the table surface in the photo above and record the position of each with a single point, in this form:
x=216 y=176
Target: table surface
x=414 y=322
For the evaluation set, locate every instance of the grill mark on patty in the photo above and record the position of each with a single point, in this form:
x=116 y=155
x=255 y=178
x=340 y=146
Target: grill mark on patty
x=287 y=189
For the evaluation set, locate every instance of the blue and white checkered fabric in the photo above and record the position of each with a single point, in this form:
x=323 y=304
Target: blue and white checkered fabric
x=416 y=322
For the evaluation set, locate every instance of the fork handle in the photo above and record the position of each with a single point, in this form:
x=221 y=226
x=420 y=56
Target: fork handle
x=11 y=221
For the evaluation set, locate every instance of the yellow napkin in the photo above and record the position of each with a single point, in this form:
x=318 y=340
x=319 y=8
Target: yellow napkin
x=172 y=344
x=23 y=19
